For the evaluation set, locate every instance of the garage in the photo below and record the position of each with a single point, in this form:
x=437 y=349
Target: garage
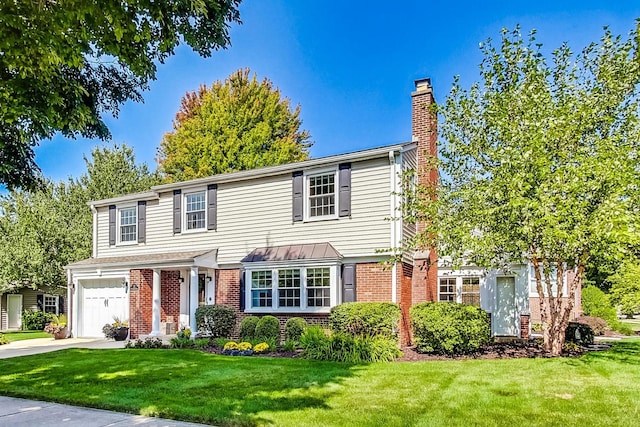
x=101 y=301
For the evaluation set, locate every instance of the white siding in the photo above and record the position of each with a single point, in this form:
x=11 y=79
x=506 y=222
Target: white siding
x=257 y=213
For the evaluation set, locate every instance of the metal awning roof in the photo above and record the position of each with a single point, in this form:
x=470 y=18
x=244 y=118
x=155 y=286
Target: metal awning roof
x=311 y=251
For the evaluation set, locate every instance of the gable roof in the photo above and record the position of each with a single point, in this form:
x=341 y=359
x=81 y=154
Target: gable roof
x=267 y=171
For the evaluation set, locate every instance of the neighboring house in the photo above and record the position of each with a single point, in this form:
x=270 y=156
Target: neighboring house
x=288 y=240
x=14 y=303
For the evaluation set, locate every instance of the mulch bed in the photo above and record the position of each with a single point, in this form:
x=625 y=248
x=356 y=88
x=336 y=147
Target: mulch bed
x=505 y=350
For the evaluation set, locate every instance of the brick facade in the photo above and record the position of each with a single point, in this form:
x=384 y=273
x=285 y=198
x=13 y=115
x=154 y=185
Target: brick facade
x=373 y=282
x=140 y=302
x=170 y=295
x=525 y=326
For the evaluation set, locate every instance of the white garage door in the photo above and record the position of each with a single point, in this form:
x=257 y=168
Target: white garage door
x=101 y=300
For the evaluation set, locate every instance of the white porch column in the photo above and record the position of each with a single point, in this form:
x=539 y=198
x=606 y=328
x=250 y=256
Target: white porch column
x=155 y=313
x=193 y=299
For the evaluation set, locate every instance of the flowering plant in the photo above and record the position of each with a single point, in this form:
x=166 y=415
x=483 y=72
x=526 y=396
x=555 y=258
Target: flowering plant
x=57 y=325
x=261 y=348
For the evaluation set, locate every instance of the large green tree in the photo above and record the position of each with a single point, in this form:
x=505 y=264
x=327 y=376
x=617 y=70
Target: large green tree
x=625 y=287
x=63 y=64
x=43 y=230
x=539 y=163
x=234 y=125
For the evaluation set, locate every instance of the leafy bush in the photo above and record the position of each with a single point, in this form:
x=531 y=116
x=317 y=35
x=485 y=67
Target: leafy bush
x=366 y=318
x=625 y=288
x=579 y=333
x=215 y=321
x=36 y=320
x=450 y=328
x=146 y=343
x=202 y=343
x=294 y=327
x=343 y=347
x=248 y=327
x=595 y=303
x=3 y=339
x=290 y=345
x=624 y=329
x=220 y=342
x=598 y=325
x=268 y=328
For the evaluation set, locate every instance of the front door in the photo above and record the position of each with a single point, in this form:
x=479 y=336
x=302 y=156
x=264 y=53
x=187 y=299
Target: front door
x=505 y=318
x=14 y=311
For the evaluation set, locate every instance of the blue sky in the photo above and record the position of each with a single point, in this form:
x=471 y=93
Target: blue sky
x=349 y=64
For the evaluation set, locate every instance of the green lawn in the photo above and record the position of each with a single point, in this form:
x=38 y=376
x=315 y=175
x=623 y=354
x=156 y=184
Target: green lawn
x=599 y=389
x=25 y=335
x=632 y=323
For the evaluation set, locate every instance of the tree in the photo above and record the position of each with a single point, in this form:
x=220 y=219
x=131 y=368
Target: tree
x=625 y=287
x=64 y=64
x=233 y=125
x=45 y=229
x=539 y=163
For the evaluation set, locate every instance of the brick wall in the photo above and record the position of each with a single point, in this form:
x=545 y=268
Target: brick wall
x=228 y=288
x=404 y=280
x=170 y=295
x=373 y=282
x=140 y=303
x=524 y=326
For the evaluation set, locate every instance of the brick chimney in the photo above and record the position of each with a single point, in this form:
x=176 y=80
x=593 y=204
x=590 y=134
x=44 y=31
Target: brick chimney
x=424 y=128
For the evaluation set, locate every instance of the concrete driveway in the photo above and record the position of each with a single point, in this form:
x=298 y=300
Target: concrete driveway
x=45 y=345
x=21 y=412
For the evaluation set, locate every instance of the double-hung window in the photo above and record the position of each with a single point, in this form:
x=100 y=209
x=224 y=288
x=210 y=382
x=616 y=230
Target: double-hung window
x=261 y=288
x=318 y=287
x=321 y=195
x=195 y=211
x=50 y=304
x=291 y=289
x=460 y=289
x=128 y=224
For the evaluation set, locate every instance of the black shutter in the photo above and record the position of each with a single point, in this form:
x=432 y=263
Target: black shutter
x=112 y=224
x=344 y=180
x=60 y=305
x=142 y=222
x=212 y=206
x=40 y=302
x=349 y=283
x=298 y=184
x=242 y=291
x=177 y=215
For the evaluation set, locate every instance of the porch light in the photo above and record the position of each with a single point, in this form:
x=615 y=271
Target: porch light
x=181 y=279
x=209 y=278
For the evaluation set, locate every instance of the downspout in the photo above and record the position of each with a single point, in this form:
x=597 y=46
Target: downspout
x=392 y=208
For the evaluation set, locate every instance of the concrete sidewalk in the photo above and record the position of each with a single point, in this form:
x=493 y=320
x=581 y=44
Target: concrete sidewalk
x=45 y=345
x=21 y=412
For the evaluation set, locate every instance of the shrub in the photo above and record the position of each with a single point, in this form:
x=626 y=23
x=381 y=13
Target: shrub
x=220 y=342
x=290 y=345
x=294 y=327
x=3 y=339
x=343 y=347
x=450 y=328
x=595 y=303
x=146 y=343
x=623 y=329
x=598 y=325
x=202 y=343
x=366 y=318
x=578 y=333
x=248 y=327
x=268 y=328
x=215 y=321
x=36 y=320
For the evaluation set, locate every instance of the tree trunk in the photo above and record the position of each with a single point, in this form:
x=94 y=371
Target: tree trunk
x=555 y=310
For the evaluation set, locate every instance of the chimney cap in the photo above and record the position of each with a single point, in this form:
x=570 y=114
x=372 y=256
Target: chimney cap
x=422 y=84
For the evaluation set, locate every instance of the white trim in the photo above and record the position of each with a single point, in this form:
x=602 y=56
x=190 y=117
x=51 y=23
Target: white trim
x=94 y=232
x=57 y=304
x=184 y=210
x=303 y=308
x=308 y=174
x=119 y=209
